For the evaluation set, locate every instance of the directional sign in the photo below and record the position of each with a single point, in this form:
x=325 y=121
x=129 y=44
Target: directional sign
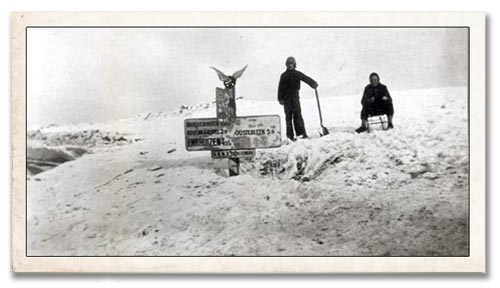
x=228 y=136
x=247 y=132
x=243 y=153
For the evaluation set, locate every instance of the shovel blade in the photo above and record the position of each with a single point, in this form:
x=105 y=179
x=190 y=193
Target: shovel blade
x=323 y=131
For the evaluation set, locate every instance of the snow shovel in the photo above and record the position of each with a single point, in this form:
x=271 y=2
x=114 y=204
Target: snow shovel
x=322 y=131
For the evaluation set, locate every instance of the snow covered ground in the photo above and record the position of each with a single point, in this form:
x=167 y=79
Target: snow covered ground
x=133 y=189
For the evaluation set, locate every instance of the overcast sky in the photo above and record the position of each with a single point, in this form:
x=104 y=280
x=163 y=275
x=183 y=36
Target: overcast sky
x=96 y=74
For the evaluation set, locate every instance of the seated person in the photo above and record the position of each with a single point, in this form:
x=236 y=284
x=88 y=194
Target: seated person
x=376 y=101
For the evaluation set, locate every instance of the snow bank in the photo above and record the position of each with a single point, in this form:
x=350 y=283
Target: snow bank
x=40 y=159
x=50 y=146
x=86 y=138
x=401 y=192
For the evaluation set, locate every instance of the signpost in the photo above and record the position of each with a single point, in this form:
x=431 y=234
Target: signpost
x=226 y=105
x=229 y=136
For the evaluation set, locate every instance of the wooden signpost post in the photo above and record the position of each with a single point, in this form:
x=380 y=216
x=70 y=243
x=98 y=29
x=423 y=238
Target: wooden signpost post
x=229 y=136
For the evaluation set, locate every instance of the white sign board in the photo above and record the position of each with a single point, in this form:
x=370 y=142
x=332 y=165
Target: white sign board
x=248 y=132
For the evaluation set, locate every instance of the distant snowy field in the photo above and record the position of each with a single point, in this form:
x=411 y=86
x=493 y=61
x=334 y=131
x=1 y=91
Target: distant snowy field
x=129 y=187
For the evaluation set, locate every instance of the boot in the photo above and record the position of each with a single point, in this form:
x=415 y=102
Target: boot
x=361 y=129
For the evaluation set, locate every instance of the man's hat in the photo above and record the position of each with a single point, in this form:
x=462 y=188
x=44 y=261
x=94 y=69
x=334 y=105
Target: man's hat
x=290 y=60
x=374 y=74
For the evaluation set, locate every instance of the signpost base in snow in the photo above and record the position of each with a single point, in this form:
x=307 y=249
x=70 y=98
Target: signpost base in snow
x=228 y=136
x=234 y=166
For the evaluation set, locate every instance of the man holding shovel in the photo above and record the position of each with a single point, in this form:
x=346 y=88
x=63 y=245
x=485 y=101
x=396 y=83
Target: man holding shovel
x=288 y=96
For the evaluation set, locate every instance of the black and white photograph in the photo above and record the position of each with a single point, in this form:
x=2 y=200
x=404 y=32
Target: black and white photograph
x=248 y=141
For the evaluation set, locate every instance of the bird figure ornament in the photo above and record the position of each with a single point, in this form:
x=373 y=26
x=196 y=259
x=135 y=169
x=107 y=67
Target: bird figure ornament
x=229 y=81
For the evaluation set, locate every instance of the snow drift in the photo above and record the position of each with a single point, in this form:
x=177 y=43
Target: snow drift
x=42 y=158
x=402 y=192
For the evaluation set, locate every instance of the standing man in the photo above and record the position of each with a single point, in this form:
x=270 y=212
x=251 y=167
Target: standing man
x=376 y=101
x=288 y=96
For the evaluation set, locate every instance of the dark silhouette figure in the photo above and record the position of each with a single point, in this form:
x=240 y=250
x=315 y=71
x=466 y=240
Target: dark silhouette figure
x=288 y=96
x=376 y=100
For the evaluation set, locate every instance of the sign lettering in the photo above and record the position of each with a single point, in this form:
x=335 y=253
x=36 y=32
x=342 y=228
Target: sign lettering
x=248 y=132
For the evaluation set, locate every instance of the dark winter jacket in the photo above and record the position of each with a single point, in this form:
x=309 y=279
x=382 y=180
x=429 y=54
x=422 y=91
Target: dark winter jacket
x=290 y=83
x=375 y=92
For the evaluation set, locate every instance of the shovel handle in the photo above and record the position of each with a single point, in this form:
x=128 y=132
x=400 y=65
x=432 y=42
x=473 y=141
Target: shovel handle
x=319 y=108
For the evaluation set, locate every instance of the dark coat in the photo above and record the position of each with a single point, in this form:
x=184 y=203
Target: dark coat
x=375 y=92
x=290 y=83
x=377 y=106
x=288 y=95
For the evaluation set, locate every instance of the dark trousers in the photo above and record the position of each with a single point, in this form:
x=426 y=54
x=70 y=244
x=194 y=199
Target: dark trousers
x=293 y=116
x=377 y=108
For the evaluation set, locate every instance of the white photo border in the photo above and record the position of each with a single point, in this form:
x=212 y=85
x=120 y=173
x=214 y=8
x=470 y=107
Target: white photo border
x=474 y=263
